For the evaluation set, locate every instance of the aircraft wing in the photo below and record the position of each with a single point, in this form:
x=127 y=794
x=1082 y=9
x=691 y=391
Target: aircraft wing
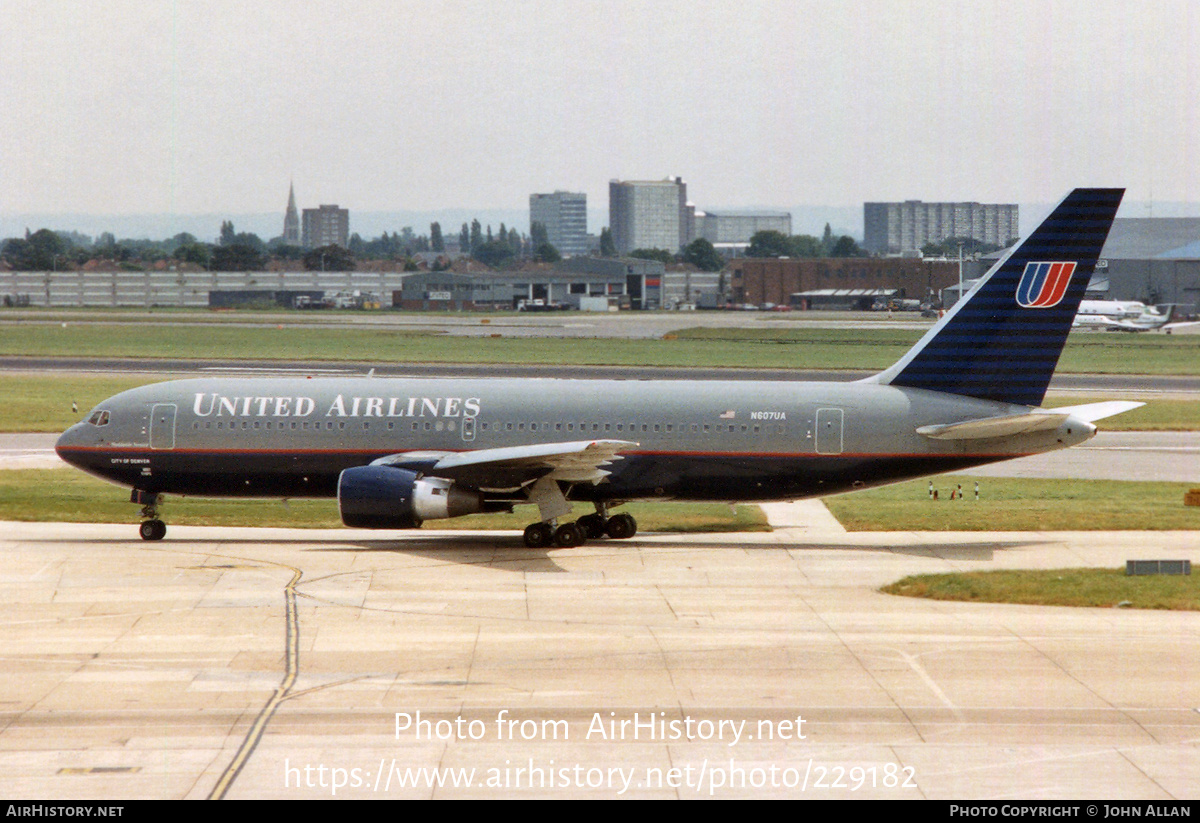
x=1035 y=420
x=511 y=467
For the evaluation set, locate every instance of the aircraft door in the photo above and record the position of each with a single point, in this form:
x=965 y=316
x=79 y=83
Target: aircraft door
x=162 y=426
x=468 y=429
x=829 y=431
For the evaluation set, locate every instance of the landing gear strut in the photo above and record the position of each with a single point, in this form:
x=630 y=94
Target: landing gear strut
x=588 y=527
x=152 y=527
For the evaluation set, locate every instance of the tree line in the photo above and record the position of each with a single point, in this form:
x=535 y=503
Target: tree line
x=47 y=250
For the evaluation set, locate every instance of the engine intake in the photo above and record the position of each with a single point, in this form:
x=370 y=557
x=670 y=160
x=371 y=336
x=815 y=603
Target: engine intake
x=384 y=497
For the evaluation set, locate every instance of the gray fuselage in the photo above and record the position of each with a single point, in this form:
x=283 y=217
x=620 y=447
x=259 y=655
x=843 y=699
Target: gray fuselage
x=699 y=440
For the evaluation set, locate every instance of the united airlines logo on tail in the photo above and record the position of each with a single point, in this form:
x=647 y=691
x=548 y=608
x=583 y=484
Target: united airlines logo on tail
x=1044 y=284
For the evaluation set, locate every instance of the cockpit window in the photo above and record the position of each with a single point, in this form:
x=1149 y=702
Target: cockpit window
x=99 y=418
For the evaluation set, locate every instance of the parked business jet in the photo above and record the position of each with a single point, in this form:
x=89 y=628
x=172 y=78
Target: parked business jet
x=396 y=452
x=1131 y=316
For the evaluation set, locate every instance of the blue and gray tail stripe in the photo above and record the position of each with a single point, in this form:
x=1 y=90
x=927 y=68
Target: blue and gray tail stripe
x=1003 y=340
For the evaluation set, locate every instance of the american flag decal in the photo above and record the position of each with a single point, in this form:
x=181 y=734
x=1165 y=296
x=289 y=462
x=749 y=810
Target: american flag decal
x=729 y=415
x=1043 y=284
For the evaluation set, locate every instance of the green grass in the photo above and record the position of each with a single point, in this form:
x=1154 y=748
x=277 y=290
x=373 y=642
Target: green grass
x=878 y=348
x=1018 y=504
x=800 y=348
x=42 y=402
x=62 y=495
x=1057 y=587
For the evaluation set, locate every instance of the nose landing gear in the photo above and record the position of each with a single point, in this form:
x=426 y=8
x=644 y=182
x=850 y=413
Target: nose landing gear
x=152 y=527
x=152 y=530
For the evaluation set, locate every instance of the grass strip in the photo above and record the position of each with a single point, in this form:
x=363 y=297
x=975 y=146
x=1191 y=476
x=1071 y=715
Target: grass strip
x=802 y=348
x=1101 y=588
x=1018 y=504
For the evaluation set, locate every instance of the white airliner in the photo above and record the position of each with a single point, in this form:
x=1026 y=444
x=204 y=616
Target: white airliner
x=399 y=451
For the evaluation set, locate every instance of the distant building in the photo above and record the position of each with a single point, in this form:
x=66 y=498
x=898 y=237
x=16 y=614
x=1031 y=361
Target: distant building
x=724 y=228
x=1150 y=259
x=291 y=220
x=848 y=282
x=895 y=228
x=629 y=283
x=326 y=226
x=650 y=215
x=564 y=214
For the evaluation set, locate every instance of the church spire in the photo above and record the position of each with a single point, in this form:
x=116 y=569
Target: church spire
x=291 y=219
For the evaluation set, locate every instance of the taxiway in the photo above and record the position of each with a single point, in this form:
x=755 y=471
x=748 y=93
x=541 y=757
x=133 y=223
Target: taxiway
x=272 y=663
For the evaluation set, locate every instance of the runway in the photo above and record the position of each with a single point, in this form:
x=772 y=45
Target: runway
x=274 y=663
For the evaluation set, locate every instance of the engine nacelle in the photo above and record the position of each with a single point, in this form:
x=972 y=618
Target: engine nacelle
x=383 y=497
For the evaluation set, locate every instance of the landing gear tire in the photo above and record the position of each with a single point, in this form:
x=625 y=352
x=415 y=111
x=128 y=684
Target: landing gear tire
x=621 y=526
x=592 y=526
x=568 y=535
x=538 y=535
x=153 y=530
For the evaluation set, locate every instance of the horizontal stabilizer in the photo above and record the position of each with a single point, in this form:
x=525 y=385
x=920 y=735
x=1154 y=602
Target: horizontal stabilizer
x=1091 y=412
x=1032 y=421
x=1004 y=426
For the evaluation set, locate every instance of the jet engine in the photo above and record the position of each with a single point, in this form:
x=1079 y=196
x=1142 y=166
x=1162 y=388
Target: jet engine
x=383 y=497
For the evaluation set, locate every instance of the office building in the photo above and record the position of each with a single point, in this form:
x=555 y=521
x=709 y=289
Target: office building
x=649 y=215
x=564 y=214
x=896 y=228
x=723 y=228
x=326 y=226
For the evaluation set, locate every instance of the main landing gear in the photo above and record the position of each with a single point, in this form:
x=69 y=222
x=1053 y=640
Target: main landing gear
x=152 y=527
x=588 y=527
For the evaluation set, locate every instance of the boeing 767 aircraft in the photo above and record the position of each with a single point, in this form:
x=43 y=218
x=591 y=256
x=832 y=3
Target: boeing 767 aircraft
x=396 y=452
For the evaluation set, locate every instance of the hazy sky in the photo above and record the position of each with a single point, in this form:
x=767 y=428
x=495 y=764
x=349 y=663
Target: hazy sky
x=122 y=107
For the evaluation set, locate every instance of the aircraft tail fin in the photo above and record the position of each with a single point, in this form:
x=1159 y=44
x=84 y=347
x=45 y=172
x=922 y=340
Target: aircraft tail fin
x=1003 y=339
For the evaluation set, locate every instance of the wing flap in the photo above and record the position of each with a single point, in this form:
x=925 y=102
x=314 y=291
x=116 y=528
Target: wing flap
x=510 y=467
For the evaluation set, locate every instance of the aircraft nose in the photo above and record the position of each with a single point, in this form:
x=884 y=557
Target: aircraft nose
x=68 y=442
